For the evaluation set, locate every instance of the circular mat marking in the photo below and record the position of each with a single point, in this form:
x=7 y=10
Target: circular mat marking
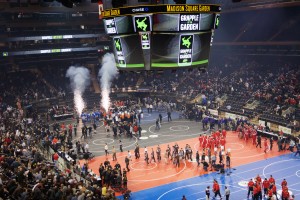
x=153 y=136
x=143 y=138
x=124 y=147
x=143 y=131
x=167 y=133
x=274 y=163
x=143 y=165
x=179 y=128
x=243 y=183
x=298 y=173
x=233 y=145
x=161 y=178
x=103 y=141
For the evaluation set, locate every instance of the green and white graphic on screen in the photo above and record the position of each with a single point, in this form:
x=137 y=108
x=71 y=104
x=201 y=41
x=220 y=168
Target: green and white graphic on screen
x=186 y=50
x=189 y=22
x=119 y=52
x=145 y=40
x=217 y=21
x=110 y=26
x=142 y=23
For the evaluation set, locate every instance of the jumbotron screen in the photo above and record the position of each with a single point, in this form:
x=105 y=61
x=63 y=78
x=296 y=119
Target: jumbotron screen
x=161 y=36
x=128 y=52
x=174 y=50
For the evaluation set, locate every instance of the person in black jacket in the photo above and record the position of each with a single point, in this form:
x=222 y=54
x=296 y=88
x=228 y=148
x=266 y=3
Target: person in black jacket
x=160 y=117
x=127 y=163
x=258 y=142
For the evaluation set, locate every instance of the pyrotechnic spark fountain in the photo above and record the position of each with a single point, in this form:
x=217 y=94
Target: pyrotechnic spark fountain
x=107 y=72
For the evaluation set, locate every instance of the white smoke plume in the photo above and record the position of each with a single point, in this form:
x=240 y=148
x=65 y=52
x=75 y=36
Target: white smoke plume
x=80 y=80
x=107 y=73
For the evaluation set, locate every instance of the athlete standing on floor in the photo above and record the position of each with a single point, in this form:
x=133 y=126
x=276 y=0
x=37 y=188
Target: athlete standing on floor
x=265 y=145
x=266 y=185
x=250 y=188
x=216 y=189
x=258 y=141
x=207 y=193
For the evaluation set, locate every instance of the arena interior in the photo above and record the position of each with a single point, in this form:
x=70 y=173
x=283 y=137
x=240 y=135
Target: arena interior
x=76 y=123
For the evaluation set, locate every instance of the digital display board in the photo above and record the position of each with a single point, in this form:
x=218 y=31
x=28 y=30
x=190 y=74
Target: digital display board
x=57 y=37
x=217 y=21
x=49 y=51
x=162 y=36
x=110 y=26
x=128 y=51
x=183 y=22
x=189 y=22
x=173 y=50
x=119 y=52
x=142 y=23
x=145 y=40
x=185 y=50
x=160 y=22
x=167 y=9
x=118 y=25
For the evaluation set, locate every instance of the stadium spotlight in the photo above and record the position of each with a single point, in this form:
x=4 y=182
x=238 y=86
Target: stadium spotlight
x=180 y=1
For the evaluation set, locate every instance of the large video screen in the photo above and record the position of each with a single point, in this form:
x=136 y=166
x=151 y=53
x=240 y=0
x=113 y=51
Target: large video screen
x=118 y=25
x=160 y=23
x=174 y=50
x=128 y=51
x=183 y=22
x=162 y=36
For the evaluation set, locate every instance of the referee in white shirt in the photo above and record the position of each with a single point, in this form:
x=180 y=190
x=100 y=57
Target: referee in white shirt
x=227 y=193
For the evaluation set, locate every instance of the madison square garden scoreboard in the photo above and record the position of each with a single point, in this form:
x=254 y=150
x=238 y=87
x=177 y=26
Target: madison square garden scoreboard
x=161 y=36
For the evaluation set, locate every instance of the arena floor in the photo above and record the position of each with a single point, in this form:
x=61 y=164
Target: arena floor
x=176 y=130
x=165 y=181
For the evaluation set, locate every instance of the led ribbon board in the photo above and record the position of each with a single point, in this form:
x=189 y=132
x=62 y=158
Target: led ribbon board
x=166 y=8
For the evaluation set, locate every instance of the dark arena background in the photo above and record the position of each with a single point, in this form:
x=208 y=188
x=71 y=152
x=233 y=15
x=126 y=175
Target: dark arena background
x=149 y=99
